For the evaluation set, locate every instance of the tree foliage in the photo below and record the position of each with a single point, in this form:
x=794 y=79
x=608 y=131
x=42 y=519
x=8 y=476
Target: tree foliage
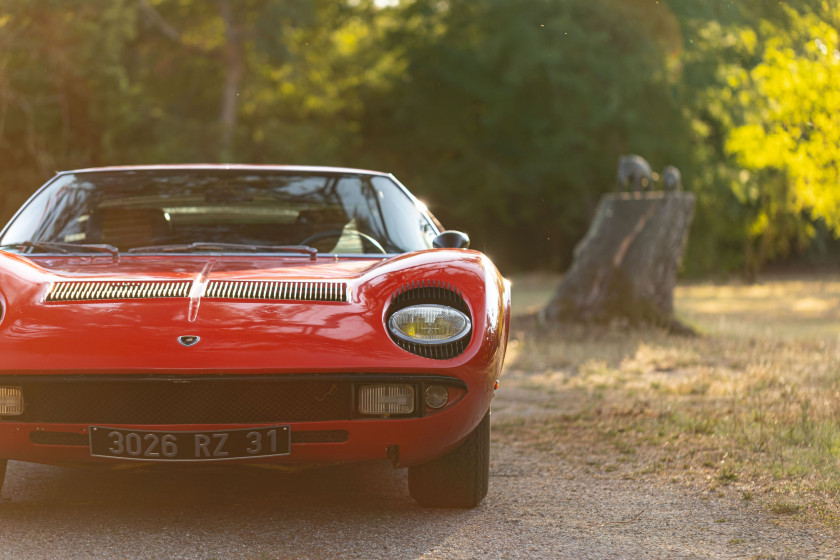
x=511 y=102
x=507 y=116
x=748 y=76
x=787 y=136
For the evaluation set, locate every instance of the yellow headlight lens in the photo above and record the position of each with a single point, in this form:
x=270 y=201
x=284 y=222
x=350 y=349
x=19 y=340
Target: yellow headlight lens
x=429 y=324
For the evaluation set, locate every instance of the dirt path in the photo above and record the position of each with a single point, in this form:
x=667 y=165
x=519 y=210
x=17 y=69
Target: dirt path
x=587 y=499
x=543 y=503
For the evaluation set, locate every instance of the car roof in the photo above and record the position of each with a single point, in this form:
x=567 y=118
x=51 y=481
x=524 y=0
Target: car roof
x=224 y=166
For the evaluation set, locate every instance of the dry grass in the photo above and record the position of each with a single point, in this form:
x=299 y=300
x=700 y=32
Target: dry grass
x=751 y=408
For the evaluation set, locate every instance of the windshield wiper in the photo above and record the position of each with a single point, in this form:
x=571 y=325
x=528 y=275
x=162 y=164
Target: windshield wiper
x=209 y=246
x=66 y=248
x=33 y=245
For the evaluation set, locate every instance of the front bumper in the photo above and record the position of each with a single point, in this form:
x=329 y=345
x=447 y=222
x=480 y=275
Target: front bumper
x=320 y=409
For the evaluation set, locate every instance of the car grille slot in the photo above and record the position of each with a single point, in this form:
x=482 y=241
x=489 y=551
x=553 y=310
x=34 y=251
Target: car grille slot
x=223 y=401
x=278 y=290
x=98 y=291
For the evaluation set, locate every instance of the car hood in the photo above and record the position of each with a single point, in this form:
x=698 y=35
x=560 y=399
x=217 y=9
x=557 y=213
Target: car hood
x=251 y=313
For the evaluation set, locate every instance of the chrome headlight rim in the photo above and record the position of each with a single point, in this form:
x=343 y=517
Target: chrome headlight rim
x=464 y=330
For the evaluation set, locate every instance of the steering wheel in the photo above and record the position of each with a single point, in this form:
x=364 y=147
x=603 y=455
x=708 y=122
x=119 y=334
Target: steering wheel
x=339 y=233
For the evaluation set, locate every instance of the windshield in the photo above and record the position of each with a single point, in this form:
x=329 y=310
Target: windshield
x=155 y=210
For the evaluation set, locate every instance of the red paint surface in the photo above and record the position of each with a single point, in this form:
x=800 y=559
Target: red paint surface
x=250 y=337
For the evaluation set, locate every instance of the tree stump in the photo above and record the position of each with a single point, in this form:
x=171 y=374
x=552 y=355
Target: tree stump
x=626 y=265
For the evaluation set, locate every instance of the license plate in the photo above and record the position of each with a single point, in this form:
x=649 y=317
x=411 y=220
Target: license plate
x=217 y=445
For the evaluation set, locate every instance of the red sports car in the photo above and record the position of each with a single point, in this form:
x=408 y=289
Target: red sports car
x=252 y=314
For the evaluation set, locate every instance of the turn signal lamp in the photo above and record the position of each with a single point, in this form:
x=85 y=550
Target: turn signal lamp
x=436 y=396
x=11 y=401
x=429 y=324
x=394 y=398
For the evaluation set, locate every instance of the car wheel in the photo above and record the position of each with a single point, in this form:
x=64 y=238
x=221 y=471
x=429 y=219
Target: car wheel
x=460 y=478
x=2 y=473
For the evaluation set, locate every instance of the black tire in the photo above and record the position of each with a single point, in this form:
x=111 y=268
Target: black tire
x=3 y=463
x=460 y=478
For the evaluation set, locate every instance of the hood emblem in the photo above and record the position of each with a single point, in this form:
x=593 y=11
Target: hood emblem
x=189 y=340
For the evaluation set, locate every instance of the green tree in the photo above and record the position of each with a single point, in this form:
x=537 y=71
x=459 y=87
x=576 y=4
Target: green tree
x=208 y=70
x=510 y=114
x=56 y=104
x=748 y=209
x=98 y=82
x=787 y=136
x=506 y=115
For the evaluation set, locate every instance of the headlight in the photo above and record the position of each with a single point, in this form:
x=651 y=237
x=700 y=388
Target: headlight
x=429 y=324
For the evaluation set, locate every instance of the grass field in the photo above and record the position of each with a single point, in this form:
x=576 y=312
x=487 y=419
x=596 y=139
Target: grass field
x=751 y=408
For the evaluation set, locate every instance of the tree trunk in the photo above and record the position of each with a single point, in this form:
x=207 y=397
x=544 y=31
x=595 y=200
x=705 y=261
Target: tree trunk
x=234 y=60
x=626 y=265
